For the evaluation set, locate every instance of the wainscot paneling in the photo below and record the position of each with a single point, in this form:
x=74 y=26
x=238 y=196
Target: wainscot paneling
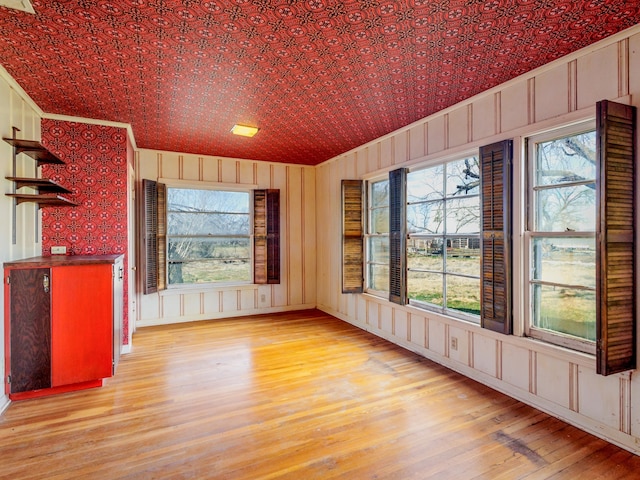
x=298 y=285
x=558 y=381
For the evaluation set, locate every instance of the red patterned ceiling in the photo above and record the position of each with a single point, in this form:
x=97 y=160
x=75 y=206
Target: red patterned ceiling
x=318 y=77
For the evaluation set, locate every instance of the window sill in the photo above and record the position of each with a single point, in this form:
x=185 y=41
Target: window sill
x=207 y=287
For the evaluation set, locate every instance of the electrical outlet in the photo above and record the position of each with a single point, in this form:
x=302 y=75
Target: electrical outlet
x=59 y=250
x=263 y=298
x=454 y=343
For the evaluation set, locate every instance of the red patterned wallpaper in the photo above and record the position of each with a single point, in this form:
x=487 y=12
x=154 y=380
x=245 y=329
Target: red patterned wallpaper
x=319 y=77
x=96 y=172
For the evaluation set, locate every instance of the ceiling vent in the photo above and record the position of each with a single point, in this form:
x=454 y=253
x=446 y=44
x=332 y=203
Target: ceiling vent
x=24 y=5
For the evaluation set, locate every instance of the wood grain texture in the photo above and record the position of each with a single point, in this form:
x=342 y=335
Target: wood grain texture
x=30 y=329
x=298 y=395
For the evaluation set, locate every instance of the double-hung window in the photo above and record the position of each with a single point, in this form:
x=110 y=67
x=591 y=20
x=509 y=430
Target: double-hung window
x=562 y=237
x=443 y=247
x=377 y=238
x=208 y=236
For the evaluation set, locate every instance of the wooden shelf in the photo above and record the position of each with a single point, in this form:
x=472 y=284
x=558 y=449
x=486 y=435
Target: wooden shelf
x=35 y=150
x=43 y=185
x=42 y=199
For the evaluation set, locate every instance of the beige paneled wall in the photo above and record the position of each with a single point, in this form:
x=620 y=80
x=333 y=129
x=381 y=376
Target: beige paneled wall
x=559 y=381
x=16 y=110
x=297 y=288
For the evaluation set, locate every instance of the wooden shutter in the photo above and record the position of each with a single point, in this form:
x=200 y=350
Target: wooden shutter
x=266 y=236
x=398 y=236
x=615 y=296
x=149 y=222
x=496 y=199
x=162 y=236
x=153 y=248
x=352 y=237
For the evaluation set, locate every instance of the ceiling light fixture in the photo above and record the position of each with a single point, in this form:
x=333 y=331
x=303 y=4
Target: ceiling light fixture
x=244 y=130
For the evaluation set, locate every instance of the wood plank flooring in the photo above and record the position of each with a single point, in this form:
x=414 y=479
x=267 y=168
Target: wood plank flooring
x=291 y=396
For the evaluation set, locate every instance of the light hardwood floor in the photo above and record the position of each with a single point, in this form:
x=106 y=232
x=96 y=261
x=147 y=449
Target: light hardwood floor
x=299 y=396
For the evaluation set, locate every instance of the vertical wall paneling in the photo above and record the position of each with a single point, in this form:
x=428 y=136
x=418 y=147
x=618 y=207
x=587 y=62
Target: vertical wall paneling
x=497 y=109
x=386 y=153
x=514 y=106
x=561 y=383
x=296 y=242
x=533 y=372
x=416 y=141
x=573 y=387
x=298 y=239
x=625 y=404
x=623 y=67
x=633 y=69
x=531 y=100
x=309 y=199
x=549 y=100
x=436 y=135
x=401 y=148
x=572 y=86
x=598 y=76
x=456 y=127
x=483 y=118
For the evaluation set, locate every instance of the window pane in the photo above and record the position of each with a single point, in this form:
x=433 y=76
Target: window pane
x=426 y=217
x=202 y=271
x=208 y=236
x=191 y=248
x=380 y=194
x=379 y=277
x=426 y=184
x=463 y=294
x=570 y=261
x=379 y=220
x=566 y=209
x=568 y=159
x=463 y=177
x=207 y=224
x=425 y=287
x=379 y=249
x=425 y=254
x=565 y=310
x=191 y=200
x=463 y=256
x=463 y=215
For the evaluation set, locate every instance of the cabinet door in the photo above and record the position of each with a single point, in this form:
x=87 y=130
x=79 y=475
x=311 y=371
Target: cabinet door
x=29 y=329
x=82 y=323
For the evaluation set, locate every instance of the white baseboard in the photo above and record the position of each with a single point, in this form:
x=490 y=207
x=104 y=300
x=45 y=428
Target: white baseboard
x=4 y=403
x=152 y=322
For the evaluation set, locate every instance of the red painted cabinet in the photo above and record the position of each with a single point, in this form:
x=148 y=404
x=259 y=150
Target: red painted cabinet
x=63 y=321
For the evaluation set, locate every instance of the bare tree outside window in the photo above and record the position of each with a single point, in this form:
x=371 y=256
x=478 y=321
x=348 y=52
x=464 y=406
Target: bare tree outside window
x=443 y=223
x=562 y=224
x=208 y=236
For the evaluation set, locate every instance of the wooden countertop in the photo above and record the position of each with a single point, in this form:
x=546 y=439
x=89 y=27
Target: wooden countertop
x=63 y=260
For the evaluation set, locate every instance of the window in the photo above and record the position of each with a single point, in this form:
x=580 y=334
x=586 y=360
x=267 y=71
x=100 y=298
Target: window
x=562 y=237
x=197 y=236
x=443 y=226
x=377 y=238
x=208 y=236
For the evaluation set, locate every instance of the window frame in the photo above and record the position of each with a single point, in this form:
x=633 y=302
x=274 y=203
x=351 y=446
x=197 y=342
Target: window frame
x=222 y=188
x=368 y=235
x=444 y=310
x=530 y=234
